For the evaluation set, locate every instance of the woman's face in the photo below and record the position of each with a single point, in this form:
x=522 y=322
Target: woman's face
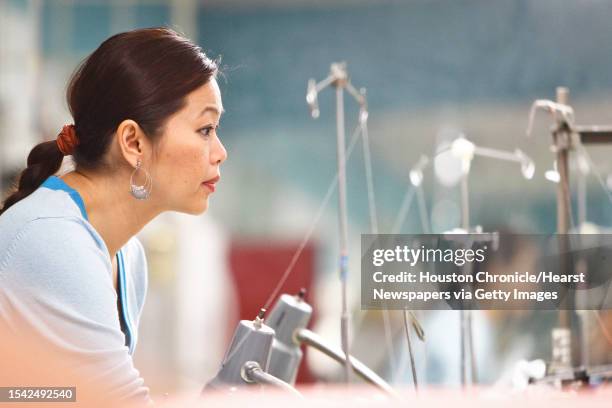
x=186 y=168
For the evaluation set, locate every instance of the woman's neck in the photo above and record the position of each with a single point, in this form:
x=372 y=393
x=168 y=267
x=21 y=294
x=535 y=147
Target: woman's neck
x=112 y=210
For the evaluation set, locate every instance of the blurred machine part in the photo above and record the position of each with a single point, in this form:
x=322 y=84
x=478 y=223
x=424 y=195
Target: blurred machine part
x=252 y=341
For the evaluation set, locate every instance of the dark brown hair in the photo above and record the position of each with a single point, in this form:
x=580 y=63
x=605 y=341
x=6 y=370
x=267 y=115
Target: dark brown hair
x=143 y=75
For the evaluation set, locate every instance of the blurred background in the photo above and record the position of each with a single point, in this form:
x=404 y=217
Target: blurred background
x=433 y=69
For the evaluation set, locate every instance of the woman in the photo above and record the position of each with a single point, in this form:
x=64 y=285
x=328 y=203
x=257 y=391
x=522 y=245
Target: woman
x=146 y=109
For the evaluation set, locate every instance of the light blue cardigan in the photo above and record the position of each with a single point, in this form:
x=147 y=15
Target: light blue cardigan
x=56 y=273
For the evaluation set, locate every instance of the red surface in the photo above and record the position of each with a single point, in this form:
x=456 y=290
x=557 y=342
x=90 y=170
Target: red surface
x=257 y=267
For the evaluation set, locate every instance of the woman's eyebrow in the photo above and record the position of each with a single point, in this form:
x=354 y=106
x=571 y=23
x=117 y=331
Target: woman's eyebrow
x=213 y=108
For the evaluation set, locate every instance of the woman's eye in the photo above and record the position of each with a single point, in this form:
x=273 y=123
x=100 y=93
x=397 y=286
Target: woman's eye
x=206 y=131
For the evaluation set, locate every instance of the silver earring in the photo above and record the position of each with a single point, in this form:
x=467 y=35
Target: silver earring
x=141 y=192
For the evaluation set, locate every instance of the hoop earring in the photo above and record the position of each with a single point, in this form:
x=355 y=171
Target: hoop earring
x=141 y=192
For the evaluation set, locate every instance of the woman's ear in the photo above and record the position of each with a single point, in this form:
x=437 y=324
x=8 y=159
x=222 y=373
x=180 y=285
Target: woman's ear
x=132 y=142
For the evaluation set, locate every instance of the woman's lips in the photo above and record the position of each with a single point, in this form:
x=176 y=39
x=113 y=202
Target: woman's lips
x=210 y=184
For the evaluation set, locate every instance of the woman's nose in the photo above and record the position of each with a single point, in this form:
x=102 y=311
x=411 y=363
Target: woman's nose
x=219 y=154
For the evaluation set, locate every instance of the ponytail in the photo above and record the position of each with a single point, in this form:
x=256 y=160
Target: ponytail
x=44 y=160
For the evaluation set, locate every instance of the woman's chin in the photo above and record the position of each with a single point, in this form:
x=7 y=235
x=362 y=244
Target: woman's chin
x=194 y=207
x=199 y=208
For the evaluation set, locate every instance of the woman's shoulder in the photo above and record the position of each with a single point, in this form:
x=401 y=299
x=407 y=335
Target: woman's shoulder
x=45 y=240
x=45 y=215
x=43 y=202
x=58 y=261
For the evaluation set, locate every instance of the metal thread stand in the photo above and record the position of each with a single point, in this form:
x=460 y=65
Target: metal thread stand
x=465 y=151
x=338 y=78
x=567 y=136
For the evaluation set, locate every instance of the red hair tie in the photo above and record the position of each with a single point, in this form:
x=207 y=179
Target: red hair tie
x=67 y=140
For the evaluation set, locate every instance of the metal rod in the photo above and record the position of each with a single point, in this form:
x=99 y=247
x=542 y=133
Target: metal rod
x=410 y=353
x=312 y=339
x=367 y=160
x=581 y=264
x=325 y=83
x=561 y=139
x=594 y=134
x=339 y=79
x=464 y=314
x=343 y=219
x=462 y=343
x=497 y=154
x=563 y=135
x=425 y=223
x=358 y=95
x=389 y=340
x=465 y=204
x=584 y=168
x=582 y=197
x=404 y=209
x=470 y=345
x=563 y=208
